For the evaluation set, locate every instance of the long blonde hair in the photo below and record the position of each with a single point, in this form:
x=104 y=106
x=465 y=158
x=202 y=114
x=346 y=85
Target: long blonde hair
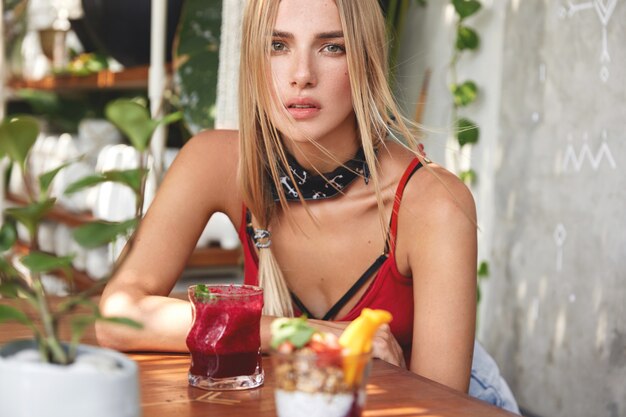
x=262 y=153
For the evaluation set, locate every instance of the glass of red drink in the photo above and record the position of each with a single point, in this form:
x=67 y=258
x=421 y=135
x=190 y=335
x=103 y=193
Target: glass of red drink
x=224 y=340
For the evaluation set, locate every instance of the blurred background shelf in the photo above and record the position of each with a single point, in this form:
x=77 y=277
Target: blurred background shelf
x=212 y=256
x=82 y=281
x=127 y=79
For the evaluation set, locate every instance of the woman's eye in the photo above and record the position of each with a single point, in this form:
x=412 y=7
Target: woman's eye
x=278 y=46
x=334 y=48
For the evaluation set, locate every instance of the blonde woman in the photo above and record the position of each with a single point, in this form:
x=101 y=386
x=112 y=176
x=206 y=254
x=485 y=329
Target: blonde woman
x=334 y=213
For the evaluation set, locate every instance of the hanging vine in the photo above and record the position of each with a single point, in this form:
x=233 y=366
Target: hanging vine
x=464 y=93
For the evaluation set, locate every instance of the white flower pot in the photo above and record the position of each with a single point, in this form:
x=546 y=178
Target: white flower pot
x=31 y=388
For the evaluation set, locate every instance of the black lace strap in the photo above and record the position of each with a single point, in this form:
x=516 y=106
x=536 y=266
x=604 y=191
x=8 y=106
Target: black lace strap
x=357 y=286
x=347 y=296
x=301 y=306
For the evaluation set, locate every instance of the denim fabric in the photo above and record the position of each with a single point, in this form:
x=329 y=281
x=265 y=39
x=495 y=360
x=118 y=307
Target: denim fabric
x=487 y=385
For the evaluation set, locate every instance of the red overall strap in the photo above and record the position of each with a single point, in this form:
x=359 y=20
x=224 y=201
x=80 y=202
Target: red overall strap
x=393 y=228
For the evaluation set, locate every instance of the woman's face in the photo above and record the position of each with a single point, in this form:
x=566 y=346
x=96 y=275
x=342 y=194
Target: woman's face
x=310 y=70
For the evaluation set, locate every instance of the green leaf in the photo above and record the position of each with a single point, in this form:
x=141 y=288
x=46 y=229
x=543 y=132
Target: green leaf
x=38 y=262
x=16 y=287
x=123 y=321
x=10 y=275
x=7 y=269
x=8 y=236
x=46 y=179
x=9 y=289
x=466 y=8
x=203 y=293
x=84 y=182
x=133 y=120
x=467 y=132
x=297 y=331
x=31 y=215
x=8 y=313
x=78 y=326
x=483 y=270
x=465 y=93
x=95 y=234
x=467 y=38
x=468 y=177
x=131 y=178
x=171 y=118
x=17 y=135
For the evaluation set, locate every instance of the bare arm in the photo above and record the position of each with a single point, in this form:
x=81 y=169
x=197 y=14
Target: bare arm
x=442 y=260
x=201 y=181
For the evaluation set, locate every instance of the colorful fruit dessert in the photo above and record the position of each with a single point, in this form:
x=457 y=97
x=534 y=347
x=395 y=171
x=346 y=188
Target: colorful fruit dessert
x=318 y=373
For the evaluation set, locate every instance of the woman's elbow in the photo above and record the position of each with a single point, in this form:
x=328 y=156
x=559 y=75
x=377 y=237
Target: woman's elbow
x=114 y=335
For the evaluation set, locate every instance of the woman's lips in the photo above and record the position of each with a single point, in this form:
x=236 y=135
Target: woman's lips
x=300 y=113
x=303 y=108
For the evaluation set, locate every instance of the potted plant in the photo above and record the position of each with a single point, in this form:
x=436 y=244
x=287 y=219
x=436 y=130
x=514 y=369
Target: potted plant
x=66 y=377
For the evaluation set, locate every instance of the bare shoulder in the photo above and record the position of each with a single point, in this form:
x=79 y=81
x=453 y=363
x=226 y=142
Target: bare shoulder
x=210 y=154
x=439 y=196
x=216 y=146
x=437 y=224
x=432 y=194
x=207 y=166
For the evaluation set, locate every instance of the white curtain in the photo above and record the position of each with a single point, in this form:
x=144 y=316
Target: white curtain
x=227 y=113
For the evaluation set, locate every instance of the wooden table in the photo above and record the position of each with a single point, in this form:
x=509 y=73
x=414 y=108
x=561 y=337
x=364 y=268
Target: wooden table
x=391 y=391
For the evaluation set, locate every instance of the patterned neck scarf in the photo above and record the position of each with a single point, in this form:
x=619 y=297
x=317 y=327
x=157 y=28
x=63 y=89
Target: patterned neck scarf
x=317 y=187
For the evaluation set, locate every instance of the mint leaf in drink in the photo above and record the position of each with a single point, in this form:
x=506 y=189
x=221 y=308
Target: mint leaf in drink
x=203 y=293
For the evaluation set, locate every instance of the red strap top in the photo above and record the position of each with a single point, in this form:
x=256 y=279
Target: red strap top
x=388 y=290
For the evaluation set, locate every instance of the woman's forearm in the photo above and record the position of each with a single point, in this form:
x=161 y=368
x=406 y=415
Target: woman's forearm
x=165 y=321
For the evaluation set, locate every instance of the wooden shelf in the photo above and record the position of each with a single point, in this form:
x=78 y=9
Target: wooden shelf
x=127 y=79
x=212 y=256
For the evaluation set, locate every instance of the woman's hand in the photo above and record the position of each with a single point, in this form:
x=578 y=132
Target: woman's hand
x=384 y=346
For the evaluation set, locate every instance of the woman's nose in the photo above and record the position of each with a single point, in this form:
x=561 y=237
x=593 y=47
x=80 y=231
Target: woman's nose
x=303 y=72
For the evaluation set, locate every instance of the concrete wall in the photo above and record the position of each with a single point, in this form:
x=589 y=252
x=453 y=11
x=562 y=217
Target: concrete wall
x=550 y=193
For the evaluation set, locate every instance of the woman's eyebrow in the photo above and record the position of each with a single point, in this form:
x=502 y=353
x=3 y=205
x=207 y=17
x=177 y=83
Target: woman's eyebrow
x=329 y=35
x=321 y=35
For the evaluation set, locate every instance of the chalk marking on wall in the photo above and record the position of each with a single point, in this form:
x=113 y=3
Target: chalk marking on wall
x=560 y=234
x=604 y=9
x=578 y=159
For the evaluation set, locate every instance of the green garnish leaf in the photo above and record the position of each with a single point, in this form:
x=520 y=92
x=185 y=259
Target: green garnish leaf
x=297 y=331
x=203 y=293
